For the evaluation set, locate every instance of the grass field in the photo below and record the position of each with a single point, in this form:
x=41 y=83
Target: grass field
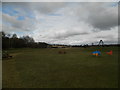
x=45 y=68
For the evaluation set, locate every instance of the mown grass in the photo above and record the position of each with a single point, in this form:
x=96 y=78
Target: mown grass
x=45 y=68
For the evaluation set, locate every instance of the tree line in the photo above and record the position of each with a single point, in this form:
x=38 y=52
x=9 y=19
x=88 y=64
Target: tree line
x=12 y=41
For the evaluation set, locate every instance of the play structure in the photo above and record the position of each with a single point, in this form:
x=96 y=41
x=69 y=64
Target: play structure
x=101 y=43
x=96 y=53
x=109 y=53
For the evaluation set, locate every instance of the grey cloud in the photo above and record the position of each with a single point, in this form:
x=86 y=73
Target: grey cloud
x=100 y=15
x=107 y=36
x=111 y=41
x=10 y=22
x=48 y=7
x=68 y=34
x=40 y=7
x=95 y=16
x=104 y=21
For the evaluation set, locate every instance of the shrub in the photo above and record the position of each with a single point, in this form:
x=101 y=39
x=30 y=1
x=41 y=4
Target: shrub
x=5 y=54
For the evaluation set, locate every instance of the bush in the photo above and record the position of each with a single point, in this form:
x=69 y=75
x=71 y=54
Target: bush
x=5 y=54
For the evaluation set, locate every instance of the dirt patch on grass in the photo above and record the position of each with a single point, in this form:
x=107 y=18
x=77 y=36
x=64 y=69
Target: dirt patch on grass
x=15 y=54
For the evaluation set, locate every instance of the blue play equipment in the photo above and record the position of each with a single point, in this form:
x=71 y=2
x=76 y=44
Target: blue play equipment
x=96 y=53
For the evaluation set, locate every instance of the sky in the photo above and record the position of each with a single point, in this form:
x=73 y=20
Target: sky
x=70 y=23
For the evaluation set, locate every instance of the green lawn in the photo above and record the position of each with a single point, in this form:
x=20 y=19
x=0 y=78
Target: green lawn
x=45 y=68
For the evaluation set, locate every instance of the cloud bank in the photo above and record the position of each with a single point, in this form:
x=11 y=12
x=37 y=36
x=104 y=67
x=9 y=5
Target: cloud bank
x=62 y=22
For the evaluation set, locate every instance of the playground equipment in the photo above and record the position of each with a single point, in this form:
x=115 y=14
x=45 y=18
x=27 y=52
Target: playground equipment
x=109 y=53
x=101 y=43
x=96 y=53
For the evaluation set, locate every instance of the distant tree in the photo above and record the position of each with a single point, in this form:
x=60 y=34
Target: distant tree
x=3 y=34
x=14 y=36
x=42 y=45
x=5 y=41
x=12 y=41
x=8 y=35
x=0 y=40
x=28 y=39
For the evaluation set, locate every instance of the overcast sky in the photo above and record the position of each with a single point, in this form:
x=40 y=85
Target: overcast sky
x=62 y=22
